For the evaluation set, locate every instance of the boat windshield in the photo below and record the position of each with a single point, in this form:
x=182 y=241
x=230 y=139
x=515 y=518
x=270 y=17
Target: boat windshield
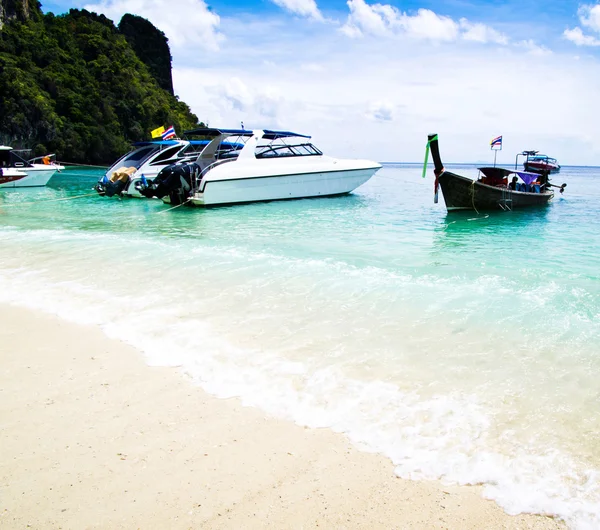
x=194 y=148
x=280 y=148
x=136 y=158
x=167 y=156
x=8 y=158
x=542 y=158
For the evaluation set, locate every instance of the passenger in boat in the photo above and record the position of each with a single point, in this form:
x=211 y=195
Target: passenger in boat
x=513 y=184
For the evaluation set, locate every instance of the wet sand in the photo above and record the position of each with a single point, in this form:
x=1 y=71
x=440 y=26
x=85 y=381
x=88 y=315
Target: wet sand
x=92 y=437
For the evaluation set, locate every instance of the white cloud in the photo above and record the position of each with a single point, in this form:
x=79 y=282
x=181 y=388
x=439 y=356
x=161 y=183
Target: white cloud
x=427 y=25
x=305 y=8
x=236 y=93
x=577 y=37
x=387 y=114
x=481 y=33
x=231 y=97
x=589 y=16
x=381 y=111
x=188 y=23
x=533 y=48
x=374 y=20
x=386 y=20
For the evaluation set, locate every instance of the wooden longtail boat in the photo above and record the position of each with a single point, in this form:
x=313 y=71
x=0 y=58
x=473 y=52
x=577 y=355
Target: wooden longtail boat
x=492 y=190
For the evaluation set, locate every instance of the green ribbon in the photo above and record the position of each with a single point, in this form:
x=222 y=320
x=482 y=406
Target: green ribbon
x=427 y=155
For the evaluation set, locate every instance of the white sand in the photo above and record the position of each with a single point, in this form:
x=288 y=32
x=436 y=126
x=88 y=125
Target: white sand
x=91 y=437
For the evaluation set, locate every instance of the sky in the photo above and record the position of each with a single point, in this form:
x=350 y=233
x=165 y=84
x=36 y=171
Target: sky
x=371 y=80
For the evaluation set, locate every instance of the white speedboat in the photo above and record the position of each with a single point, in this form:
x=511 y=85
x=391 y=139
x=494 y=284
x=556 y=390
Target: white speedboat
x=144 y=161
x=20 y=173
x=272 y=165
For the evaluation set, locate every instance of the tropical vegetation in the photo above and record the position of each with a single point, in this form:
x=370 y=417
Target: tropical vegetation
x=76 y=85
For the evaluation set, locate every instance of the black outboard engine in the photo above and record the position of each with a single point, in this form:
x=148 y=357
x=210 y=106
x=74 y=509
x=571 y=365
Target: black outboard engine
x=175 y=180
x=108 y=188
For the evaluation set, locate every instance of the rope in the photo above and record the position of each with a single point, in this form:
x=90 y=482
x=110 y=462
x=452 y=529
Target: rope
x=48 y=200
x=81 y=165
x=173 y=207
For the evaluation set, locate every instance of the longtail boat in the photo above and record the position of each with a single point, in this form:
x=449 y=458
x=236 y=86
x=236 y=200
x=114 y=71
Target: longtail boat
x=492 y=190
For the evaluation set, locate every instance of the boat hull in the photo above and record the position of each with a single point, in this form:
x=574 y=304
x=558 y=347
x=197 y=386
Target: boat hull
x=462 y=193
x=281 y=187
x=32 y=177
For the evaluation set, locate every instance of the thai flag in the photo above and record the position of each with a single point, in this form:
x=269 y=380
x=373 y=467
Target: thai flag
x=496 y=142
x=169 y=133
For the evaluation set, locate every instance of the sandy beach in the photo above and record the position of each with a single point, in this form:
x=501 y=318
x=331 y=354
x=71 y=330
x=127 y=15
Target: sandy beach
x=91 y=437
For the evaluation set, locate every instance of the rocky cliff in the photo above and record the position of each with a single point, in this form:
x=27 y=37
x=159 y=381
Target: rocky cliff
x=151 y=46
x=18 y=10
x=76 y=85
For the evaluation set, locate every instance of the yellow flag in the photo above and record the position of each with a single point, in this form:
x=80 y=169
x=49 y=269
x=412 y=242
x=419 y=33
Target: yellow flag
x=157 y=133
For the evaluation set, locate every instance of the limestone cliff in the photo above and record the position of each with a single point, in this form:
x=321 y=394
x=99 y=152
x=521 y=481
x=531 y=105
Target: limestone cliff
x=151 y=46
x=18 y=10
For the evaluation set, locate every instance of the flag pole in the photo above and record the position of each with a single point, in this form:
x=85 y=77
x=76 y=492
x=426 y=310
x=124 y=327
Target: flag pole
x=496 y=145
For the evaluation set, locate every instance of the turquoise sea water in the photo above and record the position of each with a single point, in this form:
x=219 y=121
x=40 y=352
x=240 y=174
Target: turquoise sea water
x=463 y=346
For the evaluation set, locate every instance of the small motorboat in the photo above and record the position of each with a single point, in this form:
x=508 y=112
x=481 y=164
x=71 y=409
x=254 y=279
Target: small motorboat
x=146 y=160
x=537 y=163
x=492 y=190
x=9 y=176
x=17 y=172
x=271 y=165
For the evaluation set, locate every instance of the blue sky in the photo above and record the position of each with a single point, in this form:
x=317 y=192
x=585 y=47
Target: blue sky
x=371 y=79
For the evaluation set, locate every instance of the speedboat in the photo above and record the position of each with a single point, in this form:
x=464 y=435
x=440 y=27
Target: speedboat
x=17 y=172
x=9 y=176
x=271 y=165
x=145 y=160
x=538 y=163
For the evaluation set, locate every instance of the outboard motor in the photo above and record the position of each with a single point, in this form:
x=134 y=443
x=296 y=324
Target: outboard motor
x=175 y=180
x=108 y=188
x=116 y=183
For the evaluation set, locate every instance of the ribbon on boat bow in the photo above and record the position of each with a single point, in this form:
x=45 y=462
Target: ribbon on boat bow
x=435 y=197
x=427 y=155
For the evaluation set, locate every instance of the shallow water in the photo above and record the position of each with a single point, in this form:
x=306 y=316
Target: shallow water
x=463 y=346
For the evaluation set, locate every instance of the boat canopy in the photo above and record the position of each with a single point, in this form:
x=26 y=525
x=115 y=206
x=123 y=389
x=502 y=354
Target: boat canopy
x=495 y=172
x=274 y=135
x=156 y=142
x=208 y=131
x=500 y=173
x=268 y=134
x=528 y=178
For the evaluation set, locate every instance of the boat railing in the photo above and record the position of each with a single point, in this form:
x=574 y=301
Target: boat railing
x=203 y=171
